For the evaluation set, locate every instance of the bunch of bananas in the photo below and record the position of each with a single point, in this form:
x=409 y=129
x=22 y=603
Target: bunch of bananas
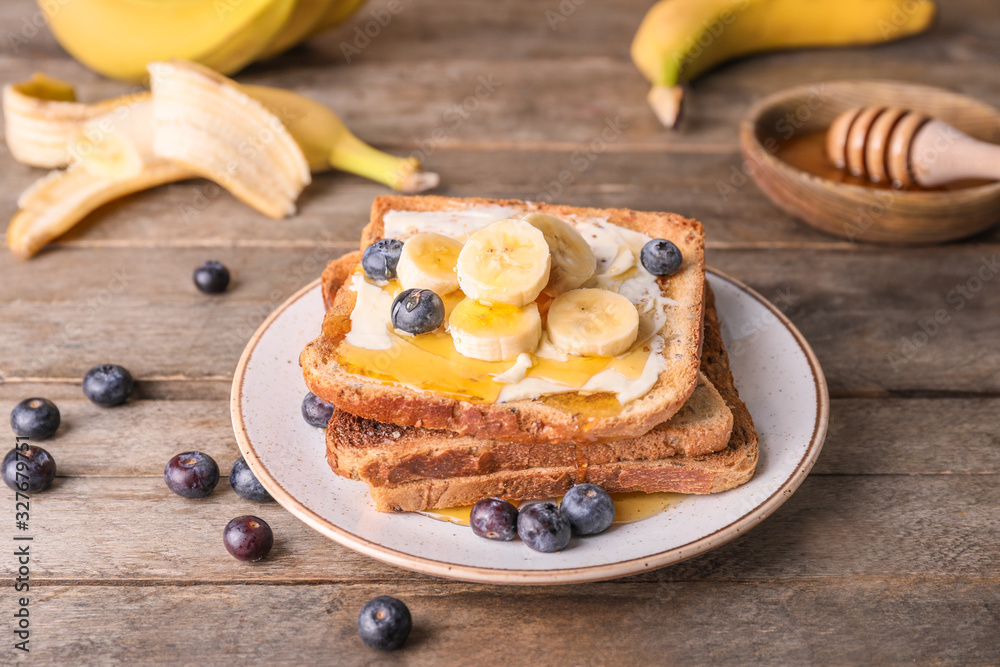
x=680 y=39
x=261 y=144
x=119 y=38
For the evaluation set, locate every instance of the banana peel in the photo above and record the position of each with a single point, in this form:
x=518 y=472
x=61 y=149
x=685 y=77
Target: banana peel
x=117 y=147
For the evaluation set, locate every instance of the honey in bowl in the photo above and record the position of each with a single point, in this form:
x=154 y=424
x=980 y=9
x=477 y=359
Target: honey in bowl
x=806 y=151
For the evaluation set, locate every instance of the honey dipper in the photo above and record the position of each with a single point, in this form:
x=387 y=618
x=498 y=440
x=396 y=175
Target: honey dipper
x=907 y=148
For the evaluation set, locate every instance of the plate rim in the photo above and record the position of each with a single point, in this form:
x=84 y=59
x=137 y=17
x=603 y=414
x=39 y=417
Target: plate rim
x=589 y=573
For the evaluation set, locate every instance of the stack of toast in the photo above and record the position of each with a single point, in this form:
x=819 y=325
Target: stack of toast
x=421 y=449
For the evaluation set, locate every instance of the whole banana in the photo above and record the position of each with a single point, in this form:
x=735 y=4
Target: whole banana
x=118 y=38
x=680 y=39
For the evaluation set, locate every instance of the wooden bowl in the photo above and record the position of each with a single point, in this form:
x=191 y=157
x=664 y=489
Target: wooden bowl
x=858 y=212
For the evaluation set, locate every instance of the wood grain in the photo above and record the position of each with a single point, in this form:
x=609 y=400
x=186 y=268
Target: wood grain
x=863 y=621
x=834 y=526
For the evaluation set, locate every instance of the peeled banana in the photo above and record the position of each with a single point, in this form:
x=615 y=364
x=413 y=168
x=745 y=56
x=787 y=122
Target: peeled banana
x=505 y=262
x=680 y=39
x=592 y=322
x=263 y=152
x=428 y=261
x=494 y=332
x=111 y=157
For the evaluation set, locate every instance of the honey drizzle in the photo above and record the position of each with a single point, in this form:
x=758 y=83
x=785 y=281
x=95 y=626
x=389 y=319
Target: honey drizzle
x=629 y=508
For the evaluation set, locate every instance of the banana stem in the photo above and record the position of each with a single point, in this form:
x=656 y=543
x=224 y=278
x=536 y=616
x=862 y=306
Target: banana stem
x=666 y=103
x=403 y=174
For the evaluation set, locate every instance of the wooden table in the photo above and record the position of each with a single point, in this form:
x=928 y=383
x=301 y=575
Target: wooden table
x=888 y=553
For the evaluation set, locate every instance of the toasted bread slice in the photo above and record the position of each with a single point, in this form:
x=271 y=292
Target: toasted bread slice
x=707 y=473
x=388 y=454
x=532 y=421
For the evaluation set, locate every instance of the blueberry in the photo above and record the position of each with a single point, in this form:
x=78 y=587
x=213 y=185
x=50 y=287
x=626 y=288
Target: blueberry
x=211 y=277
x=417 y=311
x=245 y=484
x=384 y=623
x=380 y=259
x=543 y=528
x=588 y=508
x=494 y=519
x=107 y=385
x=248 y=538
x=316 y=411
x=191 y=474
x=661 y=257
x=35 y=465
x=35 y=418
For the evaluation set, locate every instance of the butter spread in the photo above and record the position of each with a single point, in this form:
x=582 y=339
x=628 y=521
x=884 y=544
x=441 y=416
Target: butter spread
x=618 y=270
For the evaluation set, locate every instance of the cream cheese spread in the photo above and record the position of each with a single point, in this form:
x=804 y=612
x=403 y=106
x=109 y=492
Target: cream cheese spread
x=618 y=269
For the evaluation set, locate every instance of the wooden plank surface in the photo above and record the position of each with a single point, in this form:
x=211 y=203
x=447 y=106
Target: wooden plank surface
x=886 y=555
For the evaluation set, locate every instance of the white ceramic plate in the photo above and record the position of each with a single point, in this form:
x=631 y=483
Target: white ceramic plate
x=776 y=373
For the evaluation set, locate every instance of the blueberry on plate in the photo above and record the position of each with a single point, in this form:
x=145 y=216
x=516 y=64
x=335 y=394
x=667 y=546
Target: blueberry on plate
x=245 y=483
x=588 y=508
x=543 y=528
x=35 y=418
x=191 y=474
x=494 y=519
x=384 y=623
x=248 y=538
x=35 y=466
x=211 y=277
x=107 y=385
x=379 y=260
x=417 y=311
x=316 y=411
x=661 y=257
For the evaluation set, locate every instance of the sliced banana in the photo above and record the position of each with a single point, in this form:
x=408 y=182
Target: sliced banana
x=505 y=262
x=428 y=262
x=592 y=322
x=494 y=332
x=573 y=262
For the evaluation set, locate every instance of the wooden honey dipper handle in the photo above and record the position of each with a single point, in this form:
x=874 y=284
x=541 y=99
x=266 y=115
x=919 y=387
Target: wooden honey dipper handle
x=907 y=148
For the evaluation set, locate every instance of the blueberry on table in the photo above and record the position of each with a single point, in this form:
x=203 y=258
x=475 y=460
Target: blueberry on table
x=35 y=418
x=316 y=411
x=35 y=466
x=191 y=474
x=543 y=528
x=211 y=277
x=384 y=623
x=245 y=483
x=379 y=260
x=494 y=519
x=108 y=385
x=588 y=508
x=417 y=311
x=661 y=257
x=248 y=538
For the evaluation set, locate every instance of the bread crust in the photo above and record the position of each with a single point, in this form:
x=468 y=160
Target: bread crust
x=707 y=473
x=523 y=421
